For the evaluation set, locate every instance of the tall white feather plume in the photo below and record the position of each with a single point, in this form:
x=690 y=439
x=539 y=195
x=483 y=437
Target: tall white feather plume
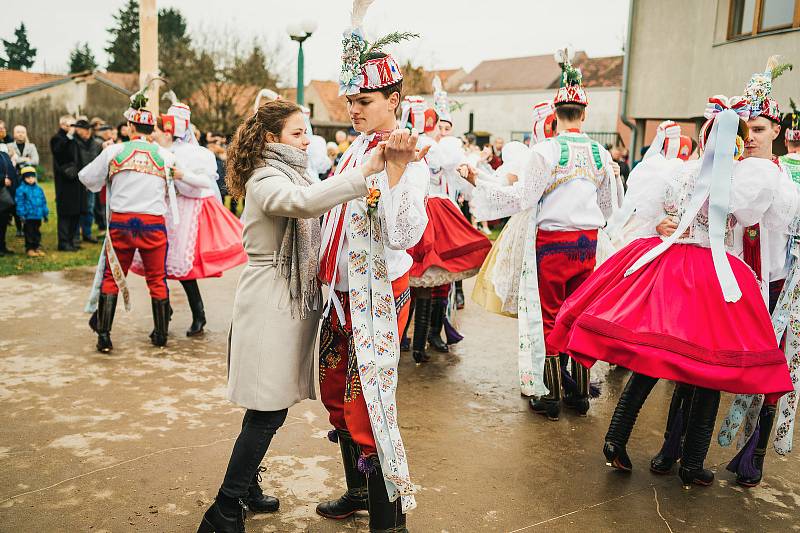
x=360 y=8
x=170 y=96
x=437 y=83
x=269 y=94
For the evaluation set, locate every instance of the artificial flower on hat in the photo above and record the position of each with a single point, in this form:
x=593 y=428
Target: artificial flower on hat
x=759 y=87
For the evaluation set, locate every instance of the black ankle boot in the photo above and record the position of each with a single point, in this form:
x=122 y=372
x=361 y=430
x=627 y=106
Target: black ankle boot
x=624 y=418
x=161 y=316
x=257 y=502
x=422 y=317
x=384 y=516
x=226 y=515
x=355 y=499
x=750 y=468
x=579 y=400
x=699 y=428
x=549 y=405
x=192 y=290
x=102 y=319
x=438 y=309
x=670 y=452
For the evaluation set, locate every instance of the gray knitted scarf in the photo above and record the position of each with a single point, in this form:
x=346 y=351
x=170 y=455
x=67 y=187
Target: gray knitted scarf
x=298 y=257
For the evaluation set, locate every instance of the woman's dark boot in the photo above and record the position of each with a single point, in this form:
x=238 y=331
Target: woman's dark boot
x=422 y=317
x=405 y=342
x=355 y=499
x=438 y=310
x=384 y=516
x=101 y=321
x=670 y=452
x=624 y=418
x=549 y=405
x=749 y=463
x=699 y=428
x=257 y=502
x=192 y=290
x=226 y=515
x=161 y=315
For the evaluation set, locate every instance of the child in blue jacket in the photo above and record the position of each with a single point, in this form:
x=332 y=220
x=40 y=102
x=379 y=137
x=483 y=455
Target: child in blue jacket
x=31 y=209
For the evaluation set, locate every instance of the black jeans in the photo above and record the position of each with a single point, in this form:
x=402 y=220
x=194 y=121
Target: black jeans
x=5 y=220
x=67 y=229
x=33 y=234
x=258 y=428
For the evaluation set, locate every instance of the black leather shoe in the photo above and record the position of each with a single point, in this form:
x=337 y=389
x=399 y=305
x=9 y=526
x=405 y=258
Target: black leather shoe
x=90 y=239
x=547 y=407
x=550 y=405
x=617 y=457
x=216 y=520
x=749 y=475
x=661 y=464
x=343 y=507
x=257 y=502
x=355 y=499
x=196 y=305
x=701 y=476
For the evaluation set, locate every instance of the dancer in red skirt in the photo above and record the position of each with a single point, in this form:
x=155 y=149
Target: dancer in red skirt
x=681 y=308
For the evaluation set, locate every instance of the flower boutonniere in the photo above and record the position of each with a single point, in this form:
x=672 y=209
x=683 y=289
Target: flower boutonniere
x=372 y=200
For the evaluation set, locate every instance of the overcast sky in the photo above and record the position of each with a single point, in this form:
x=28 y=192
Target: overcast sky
x=454 y=33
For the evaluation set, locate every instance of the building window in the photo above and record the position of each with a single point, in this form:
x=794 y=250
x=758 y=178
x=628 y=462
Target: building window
x=751 y=17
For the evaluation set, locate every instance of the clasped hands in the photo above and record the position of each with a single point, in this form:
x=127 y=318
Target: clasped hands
x=393 y=154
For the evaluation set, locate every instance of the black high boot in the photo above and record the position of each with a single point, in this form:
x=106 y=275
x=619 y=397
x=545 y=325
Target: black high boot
x=384 y=516
x=579 y=400
x=422 y=317
x=257 y=502
x=699 y=428
x=459 y=295
x=550 y=404
x=102 y=319
x=355 y=499
x=226 y=515
x=192 y=290
x=751 y=469
x=161 y=315
x=405 y=342
x=438 y=309
x=624 y=418
x=670 y=452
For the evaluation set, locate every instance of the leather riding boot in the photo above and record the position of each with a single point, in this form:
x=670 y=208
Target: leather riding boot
x=422 y=317
x=384 y=516
x=192 y=290
x=750 y=475
x=355 y=499
x=549 y=405
x=161 y=316
x=624 y=418
x=257 y=501
x=699 y=428
x=459 y=295
x=102 y=319
x=438 y=310
x=226 y=515
x=670 y=452
x=579 y=400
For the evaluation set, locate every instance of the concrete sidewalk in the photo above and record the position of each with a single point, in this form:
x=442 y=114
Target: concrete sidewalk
x=139 y=440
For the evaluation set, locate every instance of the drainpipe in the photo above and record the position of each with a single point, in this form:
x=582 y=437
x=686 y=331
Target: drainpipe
x=625 y=79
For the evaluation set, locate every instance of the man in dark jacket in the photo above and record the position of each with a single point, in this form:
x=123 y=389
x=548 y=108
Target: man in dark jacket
x=8 y=184
x=70 y=193
x=88 y=148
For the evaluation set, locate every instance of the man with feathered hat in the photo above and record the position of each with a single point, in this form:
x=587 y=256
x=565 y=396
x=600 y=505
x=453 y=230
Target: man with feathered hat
x=792 y=139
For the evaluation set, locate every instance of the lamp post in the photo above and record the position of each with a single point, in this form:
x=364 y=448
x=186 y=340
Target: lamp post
x=300 y=32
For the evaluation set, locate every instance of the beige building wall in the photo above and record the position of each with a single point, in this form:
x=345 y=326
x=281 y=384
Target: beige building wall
x=503 y=113
x=69 y=95
x=679 y=56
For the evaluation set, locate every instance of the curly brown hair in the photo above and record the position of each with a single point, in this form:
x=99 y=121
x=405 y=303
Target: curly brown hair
x=246 y=149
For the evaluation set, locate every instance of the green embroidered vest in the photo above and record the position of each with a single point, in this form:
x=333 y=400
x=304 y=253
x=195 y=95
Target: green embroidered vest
x=793 y=165
x=580 y=159
x=138 y=156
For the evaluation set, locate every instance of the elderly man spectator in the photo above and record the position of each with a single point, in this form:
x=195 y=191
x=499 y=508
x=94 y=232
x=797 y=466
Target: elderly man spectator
x=8 y=184
x=70 y=193
x=21 y=150
x=88 y=148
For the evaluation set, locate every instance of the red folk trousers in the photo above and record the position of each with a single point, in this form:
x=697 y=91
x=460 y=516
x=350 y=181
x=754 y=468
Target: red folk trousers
x=339 y=382
x=148 y=234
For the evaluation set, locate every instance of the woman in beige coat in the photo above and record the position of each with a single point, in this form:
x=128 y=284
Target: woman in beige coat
x=277 y=306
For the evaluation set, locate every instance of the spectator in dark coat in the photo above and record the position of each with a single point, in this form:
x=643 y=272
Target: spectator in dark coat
x=70 y=193
x=8 y=185
x=88 y=148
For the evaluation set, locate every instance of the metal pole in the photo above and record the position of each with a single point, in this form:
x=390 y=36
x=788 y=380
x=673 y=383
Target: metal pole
x=300 y=82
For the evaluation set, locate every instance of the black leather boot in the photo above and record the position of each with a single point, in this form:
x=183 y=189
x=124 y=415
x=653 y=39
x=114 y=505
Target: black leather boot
x=192 y=290
x=384 y=516
x=422 y=316
x=459 y=295
x=355 y=499
x=751 y=469
x=226 y=515
x=624 y=418
x=579 y=400
x=438 y=310
x=405 y=342
x=550 y=404
x=670 y=452
x=102 y=319
x=699 y=428
x=161 y=315
x=257 y=502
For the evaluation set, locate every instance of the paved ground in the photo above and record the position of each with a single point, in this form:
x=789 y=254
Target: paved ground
x=138 y=441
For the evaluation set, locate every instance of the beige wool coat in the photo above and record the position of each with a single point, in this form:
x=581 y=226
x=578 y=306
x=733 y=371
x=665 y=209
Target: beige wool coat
x=271 y=354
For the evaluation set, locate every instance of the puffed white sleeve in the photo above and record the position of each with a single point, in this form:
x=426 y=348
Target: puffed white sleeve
x=200 y=174
x=784 y=211
x=760 y=194
x=644 y=199
x=93 y=176
x=403 y=206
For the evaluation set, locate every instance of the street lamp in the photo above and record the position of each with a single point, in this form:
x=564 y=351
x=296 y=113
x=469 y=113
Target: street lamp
x=300 y=32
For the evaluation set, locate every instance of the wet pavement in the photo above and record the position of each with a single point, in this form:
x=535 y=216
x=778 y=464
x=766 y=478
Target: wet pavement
x=139 y=440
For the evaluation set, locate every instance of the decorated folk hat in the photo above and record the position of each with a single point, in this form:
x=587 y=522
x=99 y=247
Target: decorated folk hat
x=544 y=117
x=365 y=67
x=417 y=113
x=571 y=89
x=137 y=113
x=793 y=131
x=759 y=87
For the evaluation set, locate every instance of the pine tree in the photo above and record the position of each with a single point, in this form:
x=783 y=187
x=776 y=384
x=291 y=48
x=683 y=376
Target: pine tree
x=123 y=45
x=20 y=54
x=81 y=59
